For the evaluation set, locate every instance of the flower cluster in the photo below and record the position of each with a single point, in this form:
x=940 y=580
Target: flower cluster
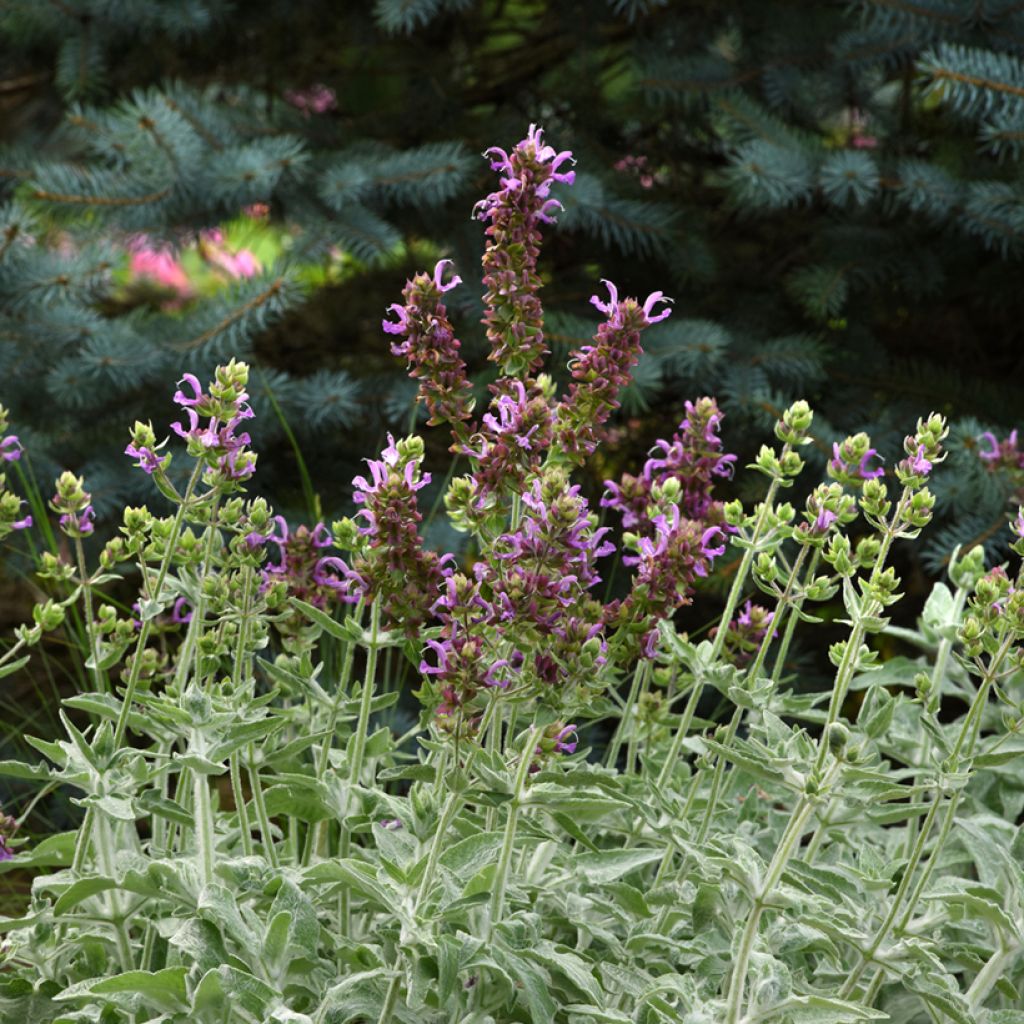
x=11 y=517
x=429 y=343
x=1001 y=454
x=317 y=99
x=851 y=461
x=532 y=585
x=299 y=554
x=389 y=561
x=693 y=458
x=513 y=438
x=8 y=826
x=10 y=446
x=513 y=314
x=601 y=370
x=226 y=406
x=666 y=564
x=74 y=506
x=745 y=633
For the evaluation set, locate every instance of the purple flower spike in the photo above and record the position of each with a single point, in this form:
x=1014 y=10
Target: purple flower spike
x=439 y=271
x=651 y=301
x=402 y=324
x=563 y=743
x=918 y=463
x=10 y=448
x=870 y=474
x=192 y=381
x=609 y=307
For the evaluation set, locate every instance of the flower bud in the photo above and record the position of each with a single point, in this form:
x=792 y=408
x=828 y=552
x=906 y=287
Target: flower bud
x=795 y=424
x=837 y=735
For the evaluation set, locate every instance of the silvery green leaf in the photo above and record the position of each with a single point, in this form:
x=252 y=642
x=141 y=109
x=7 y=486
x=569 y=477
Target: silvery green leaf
x=199 y=943
x=570 y=965
x=469 y=855
x=939 y=613
x=579 y=1013
x=227 y=987
x=20 y=770
x=582 y=804
x=455 y=954
x=357 y=876
x=163 y=990
x=81 y=890
x=534 y=986
x=609 y=865
x=299 y=796
x=816 y=1009
x=14 y=666
x=219 y=906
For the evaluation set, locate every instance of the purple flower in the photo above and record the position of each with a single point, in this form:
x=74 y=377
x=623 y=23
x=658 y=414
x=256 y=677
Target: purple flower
x=224 y=408
x=79 y=523
x=394 y=564
x=565 y=740
x=512 y=440
x=10 y=448
x=1004 y=454
x=148 y=460
x=666 y=565
x=824 y=519
x=432 y=349
x=600 y=371
x=390 y=824
x=745 y=634
x=692 y=459
x=513 y=315
x=850 y=460
x=181 y=613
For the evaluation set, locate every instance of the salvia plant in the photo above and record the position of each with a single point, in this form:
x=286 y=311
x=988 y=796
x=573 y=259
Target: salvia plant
x=596 y=817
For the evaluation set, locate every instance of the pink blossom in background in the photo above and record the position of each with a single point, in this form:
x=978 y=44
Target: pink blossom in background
x=238 y=264
x=317 y=99
x=257 y=211
x=162 y=267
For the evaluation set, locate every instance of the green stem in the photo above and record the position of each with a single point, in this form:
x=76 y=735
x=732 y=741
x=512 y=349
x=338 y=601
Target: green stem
x=390 y=1000
x=731 y=603
x=968 y=736
x=782 y=606
x=99 y=676
x=261 y=809
x=625 y=724
x=787 y=846
x=508 y=841
x=358 y=743
x=244 y=828
x=791 y=624
x=147 y=625
x=205 y=837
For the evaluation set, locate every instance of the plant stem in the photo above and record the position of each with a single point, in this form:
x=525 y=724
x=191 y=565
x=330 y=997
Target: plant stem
x=967 y=736
x=205 y=838
x=787 y=846
x=99 y=676
x=165 y=564
x=358 y=743
x=244 y=828
x=731 y=603
x=508 y=842
x=261 y=809
x=643 y=667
